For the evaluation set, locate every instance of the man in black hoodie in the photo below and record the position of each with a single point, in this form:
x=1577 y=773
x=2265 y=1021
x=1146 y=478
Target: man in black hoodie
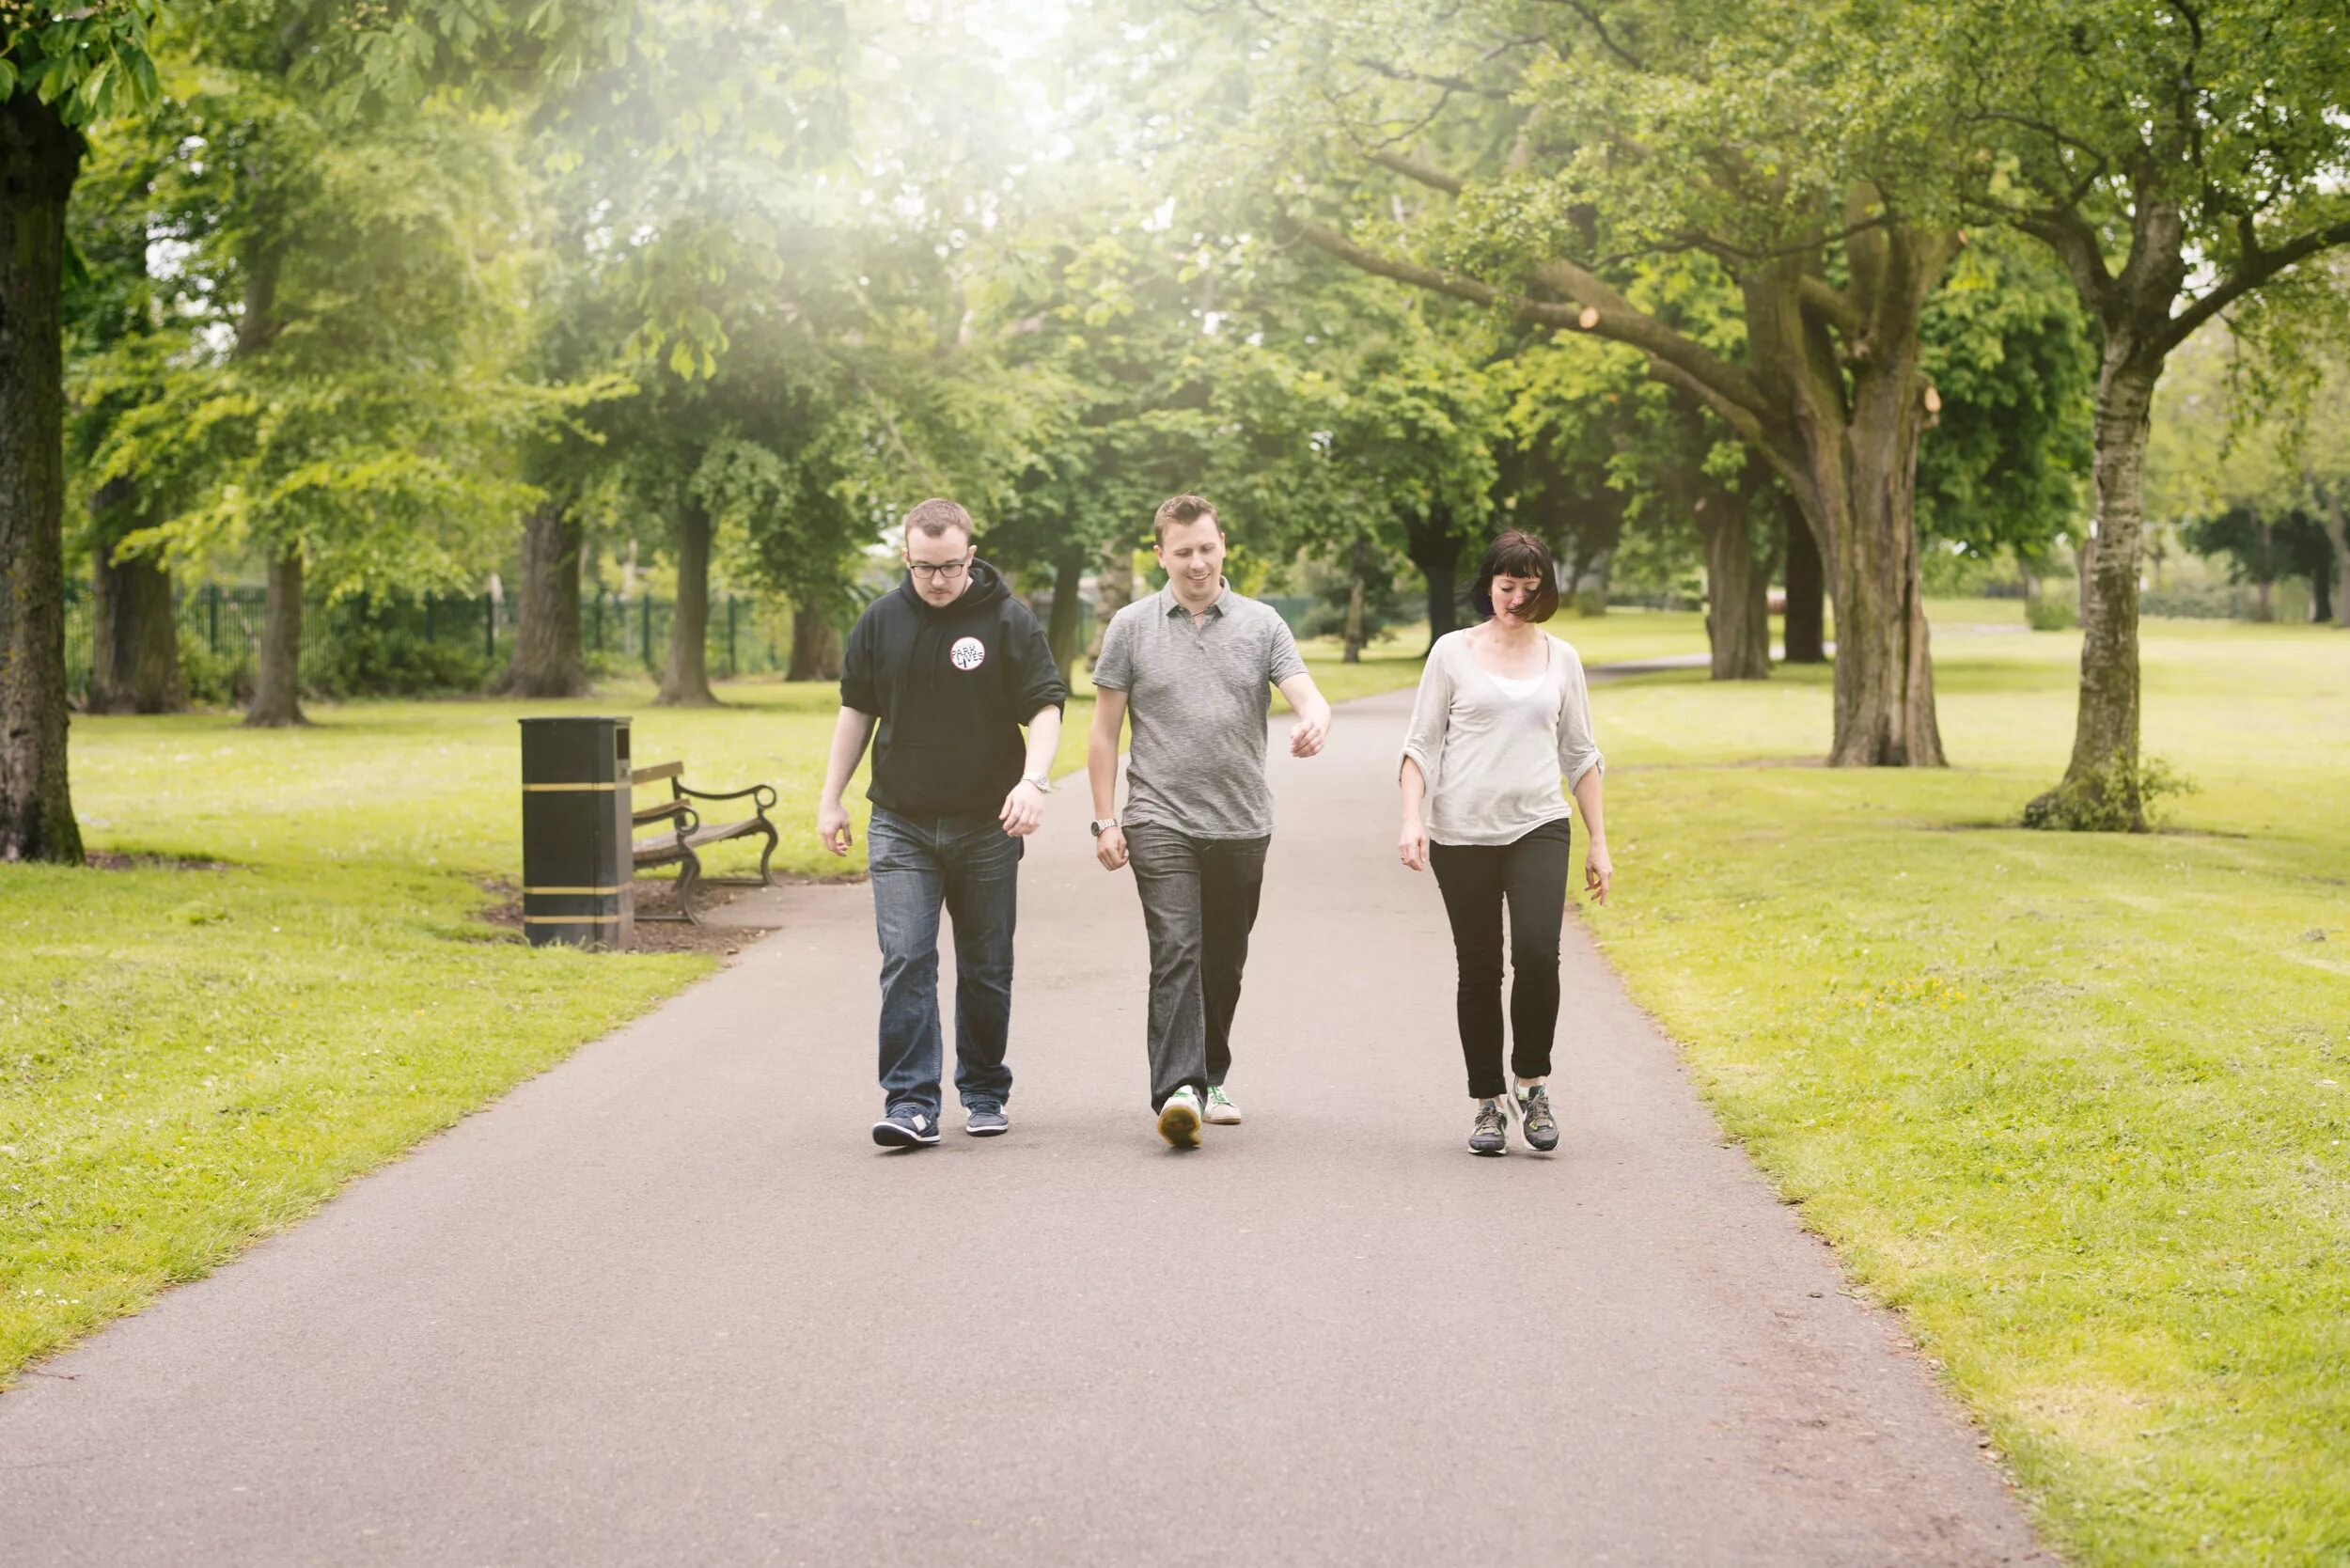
x=951 y=667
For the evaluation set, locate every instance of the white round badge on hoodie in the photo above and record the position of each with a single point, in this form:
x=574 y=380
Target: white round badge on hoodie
x=967 y=653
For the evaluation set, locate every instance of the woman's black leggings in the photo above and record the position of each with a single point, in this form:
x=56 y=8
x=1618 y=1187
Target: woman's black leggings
x=1531 y=874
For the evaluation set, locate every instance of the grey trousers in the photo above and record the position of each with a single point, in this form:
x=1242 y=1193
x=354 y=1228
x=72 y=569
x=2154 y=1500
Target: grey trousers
x=1199 y=906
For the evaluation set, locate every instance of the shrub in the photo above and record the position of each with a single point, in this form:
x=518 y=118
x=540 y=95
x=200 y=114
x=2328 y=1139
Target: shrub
x=2207 y=601
x=214 y=680
x=2117 y=798
x=363 y=659
x=2051 y=612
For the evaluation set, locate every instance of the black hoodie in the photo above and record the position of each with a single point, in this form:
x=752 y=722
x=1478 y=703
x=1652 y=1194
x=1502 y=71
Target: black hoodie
x=951 y=684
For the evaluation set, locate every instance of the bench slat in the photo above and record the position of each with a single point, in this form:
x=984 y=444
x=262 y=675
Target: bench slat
x=652 y=851
x=644 y=814
x=656 y=773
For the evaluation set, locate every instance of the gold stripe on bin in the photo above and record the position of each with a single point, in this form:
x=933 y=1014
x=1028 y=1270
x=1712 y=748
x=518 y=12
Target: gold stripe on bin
x=543 y=789
x=571 y=920
x=570 y=892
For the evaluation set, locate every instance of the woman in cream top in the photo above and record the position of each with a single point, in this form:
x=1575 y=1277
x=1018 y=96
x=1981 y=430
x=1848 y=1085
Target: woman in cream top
x=1503 y=715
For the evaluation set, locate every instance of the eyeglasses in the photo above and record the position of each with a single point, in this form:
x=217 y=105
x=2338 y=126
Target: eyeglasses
x=947 y=572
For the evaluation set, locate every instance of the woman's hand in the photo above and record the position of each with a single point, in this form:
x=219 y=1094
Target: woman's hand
x=1412 y=844
x=1598 y=870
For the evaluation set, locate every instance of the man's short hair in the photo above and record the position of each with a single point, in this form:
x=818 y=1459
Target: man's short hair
x=1183 y=509
x=935 y=518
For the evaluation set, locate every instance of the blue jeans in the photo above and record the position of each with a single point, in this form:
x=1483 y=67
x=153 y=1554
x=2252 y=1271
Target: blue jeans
x=971 y=865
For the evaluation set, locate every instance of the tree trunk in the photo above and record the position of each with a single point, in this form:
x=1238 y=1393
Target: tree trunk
x=815 y=640
x=1737 y=598
x=686 y=683
x=2265 y=583
x=1432 y=546
x=1060 y=633
x=2338 y=534
x=40 y=158
x=134 y=642
x=277 y=686
x=2105 y=727
x=1845 y=440
x=1807 y=591
x=550 y=657
x=2321 y=598
x=1115 y=581
x=1355 y=567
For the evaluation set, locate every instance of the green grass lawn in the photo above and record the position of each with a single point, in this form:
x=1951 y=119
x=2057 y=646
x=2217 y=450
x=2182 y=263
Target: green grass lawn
x=191 y=1058
x=2076 y=1106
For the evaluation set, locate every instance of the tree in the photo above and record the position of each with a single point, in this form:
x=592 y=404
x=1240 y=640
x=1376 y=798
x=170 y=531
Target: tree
x=1617 y=454
x=2179 y=160
x=2249 y=450
x=57 y=73
x=341 y=391
x=60 y=72
x=123 y=317
x=1526 y=155
x=2013 y=362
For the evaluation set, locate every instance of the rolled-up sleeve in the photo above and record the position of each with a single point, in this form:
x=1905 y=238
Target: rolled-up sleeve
x=1578 y=749
x=1423 y=741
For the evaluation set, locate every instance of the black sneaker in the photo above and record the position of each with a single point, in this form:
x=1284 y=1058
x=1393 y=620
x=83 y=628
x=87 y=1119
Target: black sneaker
x=1492 y=1133
x=1535 y=1120
x=987 y=1120
x=906 y=1127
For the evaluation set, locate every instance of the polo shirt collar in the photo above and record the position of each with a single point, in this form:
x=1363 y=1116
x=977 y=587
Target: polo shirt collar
x=1175 y=605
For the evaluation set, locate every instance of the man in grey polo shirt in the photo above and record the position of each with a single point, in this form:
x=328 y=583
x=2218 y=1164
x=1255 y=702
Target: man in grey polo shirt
x=1194 y=665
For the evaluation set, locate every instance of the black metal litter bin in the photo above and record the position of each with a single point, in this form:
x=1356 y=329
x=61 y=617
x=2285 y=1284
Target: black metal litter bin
x=576 y=862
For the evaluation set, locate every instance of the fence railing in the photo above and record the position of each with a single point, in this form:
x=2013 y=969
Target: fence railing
x=745 y=635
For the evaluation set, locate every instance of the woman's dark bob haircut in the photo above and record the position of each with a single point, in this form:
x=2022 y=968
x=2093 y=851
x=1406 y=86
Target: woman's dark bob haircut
x=1516 y=553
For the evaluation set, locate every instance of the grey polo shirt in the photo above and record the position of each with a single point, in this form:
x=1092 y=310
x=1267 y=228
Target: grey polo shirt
x=1198 y=696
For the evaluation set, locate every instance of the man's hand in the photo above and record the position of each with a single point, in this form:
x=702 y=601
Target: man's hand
x=832 y=827
x=1023 y=810
x=1598 y=871
x=1412 y=844
x=1110 y=848
x=1306 y=734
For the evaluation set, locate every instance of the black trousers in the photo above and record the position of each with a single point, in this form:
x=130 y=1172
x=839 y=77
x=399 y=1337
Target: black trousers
x=1531 y=876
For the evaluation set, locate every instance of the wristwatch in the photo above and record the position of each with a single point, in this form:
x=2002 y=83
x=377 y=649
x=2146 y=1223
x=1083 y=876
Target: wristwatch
x=1043 y=781
x=1104 y=825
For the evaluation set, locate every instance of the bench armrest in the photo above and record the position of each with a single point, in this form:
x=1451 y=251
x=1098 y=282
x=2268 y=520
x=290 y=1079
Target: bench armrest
x=763 y=795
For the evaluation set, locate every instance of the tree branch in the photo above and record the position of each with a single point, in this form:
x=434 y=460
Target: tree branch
x=1607 y=40
x=1412 y=168
x=1825 y=299
x=1594 y=308
x=2267 y=264
x=1453 y=83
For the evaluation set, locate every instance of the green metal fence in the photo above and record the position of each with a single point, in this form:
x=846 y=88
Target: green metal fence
x=746 y=636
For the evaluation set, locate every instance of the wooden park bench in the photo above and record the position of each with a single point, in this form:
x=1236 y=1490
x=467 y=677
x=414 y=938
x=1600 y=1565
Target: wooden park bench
x=688 y=833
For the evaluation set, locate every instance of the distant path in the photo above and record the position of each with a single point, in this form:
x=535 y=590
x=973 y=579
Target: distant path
x=665 y=1305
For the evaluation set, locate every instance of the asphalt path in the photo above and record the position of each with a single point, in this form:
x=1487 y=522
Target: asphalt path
x=668 y=1304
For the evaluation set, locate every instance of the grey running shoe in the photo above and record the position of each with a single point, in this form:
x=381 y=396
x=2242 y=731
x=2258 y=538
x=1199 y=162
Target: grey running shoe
x=906 y=1127
x=1220 y=1110
x=987 y=1120
x=1178 y=1119
x=1534 y=1119
x=1492 y=1133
